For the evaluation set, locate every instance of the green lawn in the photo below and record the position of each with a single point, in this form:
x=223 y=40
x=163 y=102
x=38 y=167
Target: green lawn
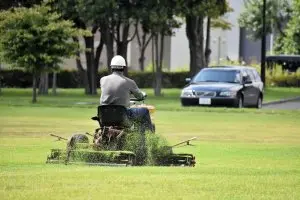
x=74 y=97
x=241 y=154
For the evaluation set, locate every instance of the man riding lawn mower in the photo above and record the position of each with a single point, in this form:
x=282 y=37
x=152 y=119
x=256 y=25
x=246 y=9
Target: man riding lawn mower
x=116 y=90
x=119 y=118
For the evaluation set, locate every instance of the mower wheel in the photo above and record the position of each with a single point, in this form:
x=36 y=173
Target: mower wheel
x=80 y=138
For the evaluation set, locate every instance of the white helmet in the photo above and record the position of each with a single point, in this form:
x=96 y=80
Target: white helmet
x=118 y=62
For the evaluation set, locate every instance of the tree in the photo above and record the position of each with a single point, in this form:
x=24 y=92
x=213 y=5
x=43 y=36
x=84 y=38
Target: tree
x=0 y=78
x=213 y=23
x=161 y=23
x=6 y=4
x=195 y=12
x=277 y=15
x=125 y=19
x=143 y=30
x=71 y=10
x=291 y=41
x=115 y=19
x=144 y=37
x=36 y=39
x=99 y=13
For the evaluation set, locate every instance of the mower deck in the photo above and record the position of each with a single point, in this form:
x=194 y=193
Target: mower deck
x=113 y=158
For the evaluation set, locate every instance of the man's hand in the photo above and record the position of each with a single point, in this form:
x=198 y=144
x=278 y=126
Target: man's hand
x=144 y=95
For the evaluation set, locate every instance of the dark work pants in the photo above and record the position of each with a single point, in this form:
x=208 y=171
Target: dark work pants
x=141 y=118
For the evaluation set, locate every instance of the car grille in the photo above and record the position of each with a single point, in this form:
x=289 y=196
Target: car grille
x=205 y=94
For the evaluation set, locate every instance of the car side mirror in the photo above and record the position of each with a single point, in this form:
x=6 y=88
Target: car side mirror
x=246 y=80
x=188 y=80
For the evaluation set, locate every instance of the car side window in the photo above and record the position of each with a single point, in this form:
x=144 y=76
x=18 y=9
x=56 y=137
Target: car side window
x=238 y=78
x=257 y=76
x=244 y=73
x=251 y=75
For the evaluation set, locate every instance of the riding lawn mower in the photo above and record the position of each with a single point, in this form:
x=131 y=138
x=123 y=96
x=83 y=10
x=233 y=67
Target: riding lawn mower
x=108 y=146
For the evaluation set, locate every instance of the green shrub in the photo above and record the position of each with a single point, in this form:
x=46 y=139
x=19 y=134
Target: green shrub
x=71 y=79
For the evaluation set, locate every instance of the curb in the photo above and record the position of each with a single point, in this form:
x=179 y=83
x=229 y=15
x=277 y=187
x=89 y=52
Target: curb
x=281 y=101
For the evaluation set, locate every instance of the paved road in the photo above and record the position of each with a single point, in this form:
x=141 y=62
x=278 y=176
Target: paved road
x=292 y=105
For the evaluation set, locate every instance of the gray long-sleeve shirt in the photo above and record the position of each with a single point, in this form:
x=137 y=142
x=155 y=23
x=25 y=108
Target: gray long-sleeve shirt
x=116 y=90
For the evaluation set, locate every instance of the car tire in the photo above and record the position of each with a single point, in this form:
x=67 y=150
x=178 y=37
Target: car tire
x=259 y=102
x=184 y=103
x=239 y=102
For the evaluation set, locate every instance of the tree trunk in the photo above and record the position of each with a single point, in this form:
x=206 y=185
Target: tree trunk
x=158 y=63
x=82 y=72
x=207 y=43
x=0 y=79
x=108 y=40
x=90 y=65
x=122 y=42
x=143 y=43
x=153 y=54
x=54 y=84
x=143 y=47
x=194 y=31
x=122 y=51
x=34 y=87
x=97 y=59
x=110 y=52
x=98 y=54
x=44 y=83
x=142 y=59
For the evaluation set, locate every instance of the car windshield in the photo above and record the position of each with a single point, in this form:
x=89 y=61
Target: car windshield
x=213 y=75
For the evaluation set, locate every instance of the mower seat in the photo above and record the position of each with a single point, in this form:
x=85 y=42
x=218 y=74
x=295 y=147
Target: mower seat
x=113 y=115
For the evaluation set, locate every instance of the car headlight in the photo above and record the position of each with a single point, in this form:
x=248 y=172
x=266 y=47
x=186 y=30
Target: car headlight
x=227 y=93
x=187 y=93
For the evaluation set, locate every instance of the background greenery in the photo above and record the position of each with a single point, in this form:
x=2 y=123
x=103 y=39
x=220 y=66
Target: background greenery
x=71 y=78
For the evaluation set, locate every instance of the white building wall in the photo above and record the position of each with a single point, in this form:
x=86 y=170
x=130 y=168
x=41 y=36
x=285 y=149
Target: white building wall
x=180 y=55
x=233 y=35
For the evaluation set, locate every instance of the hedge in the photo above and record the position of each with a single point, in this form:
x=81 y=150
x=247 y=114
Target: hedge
x=71 y=79
x=291 y=80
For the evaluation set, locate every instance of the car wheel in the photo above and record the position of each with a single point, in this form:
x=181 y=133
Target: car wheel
x=259 y=103
x=239 y=102
x=184 y=103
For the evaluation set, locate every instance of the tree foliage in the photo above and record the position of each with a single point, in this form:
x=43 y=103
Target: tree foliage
x=277 y=15
x=291 y=41
x=220 y=23
x=6 y=4
x=36 y=39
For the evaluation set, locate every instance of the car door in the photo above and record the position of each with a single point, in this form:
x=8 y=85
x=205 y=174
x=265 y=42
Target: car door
x=258 y=83
x=249 y=91
x=255 y=87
